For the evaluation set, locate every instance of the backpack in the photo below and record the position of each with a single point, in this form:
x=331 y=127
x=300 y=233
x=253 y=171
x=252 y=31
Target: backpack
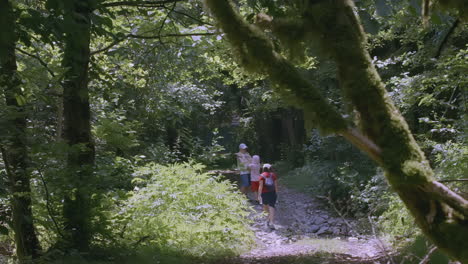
x=269 y=182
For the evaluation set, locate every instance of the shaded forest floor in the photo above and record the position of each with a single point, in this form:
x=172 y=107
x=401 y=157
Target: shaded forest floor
x=307 y=231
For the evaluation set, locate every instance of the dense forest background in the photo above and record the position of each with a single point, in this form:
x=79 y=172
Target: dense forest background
x=113 y=112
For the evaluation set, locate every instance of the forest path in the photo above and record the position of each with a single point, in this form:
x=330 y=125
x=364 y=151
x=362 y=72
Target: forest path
x=309 y=232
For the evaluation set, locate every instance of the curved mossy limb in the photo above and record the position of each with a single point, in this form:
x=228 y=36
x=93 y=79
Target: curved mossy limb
x=440 y=213
x=339 y=31
x=257 y=54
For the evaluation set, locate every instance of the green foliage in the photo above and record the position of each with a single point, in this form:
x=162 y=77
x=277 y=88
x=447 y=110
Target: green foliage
x=396 y=220
x=172 y=99
x=452 y=164
x=117 y=133
x=328 y=177
x=415 y=249
x=334 y=167
x=212 y=155
x=179 y=208
x=373 y=197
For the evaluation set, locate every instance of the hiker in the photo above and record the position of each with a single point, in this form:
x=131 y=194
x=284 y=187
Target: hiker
x=254 y=167
x=268 y=193
x=243 y=160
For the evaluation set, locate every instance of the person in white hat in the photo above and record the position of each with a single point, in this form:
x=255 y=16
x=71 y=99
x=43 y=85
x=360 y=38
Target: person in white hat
x=243 y=161
x=267 y=193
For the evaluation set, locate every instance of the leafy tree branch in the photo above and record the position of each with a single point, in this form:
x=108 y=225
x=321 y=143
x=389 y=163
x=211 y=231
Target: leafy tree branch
x=117 y=41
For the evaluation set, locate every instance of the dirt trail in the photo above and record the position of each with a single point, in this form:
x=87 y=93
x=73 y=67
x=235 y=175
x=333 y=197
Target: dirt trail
x=306 y=227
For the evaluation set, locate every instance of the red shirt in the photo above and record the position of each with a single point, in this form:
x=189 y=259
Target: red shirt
x=267 y=188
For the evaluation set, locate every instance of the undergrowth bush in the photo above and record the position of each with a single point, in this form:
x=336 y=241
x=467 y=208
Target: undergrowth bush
x=333 y=166
x=397 y=221
x=452 y=163
x=178 y=208
x=331 y=179
x=374 y=198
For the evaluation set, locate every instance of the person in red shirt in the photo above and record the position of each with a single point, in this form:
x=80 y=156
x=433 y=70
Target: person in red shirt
x=255 y=175
x=268 y=190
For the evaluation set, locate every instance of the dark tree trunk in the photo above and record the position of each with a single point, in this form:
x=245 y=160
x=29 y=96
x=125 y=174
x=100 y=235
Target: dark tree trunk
x=77 y=124
x=13 y=141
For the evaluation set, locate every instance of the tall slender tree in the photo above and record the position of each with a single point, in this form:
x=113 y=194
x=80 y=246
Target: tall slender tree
x=77 y=122
x=13 y=141
x=383 y=133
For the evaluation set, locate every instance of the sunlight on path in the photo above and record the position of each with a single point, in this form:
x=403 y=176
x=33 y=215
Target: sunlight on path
x=306 y=227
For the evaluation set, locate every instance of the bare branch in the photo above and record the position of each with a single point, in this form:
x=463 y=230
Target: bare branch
x=191 y=17
x=454 y=180
x=164 y=22
x=426 y=258
x=49 y=209
x=173 y=35
x=159 y=3
x=106 y=48
x=363 y=143
x=117 y=41
x=445 y=195
x=446 y=37
x=382 y=244
x=43 y=63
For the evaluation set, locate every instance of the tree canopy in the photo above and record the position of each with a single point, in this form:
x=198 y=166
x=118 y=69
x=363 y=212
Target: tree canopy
x=104 y=102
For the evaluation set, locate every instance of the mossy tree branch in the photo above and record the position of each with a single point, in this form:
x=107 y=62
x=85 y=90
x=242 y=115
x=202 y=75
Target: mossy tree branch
x=384 y=134
x=257 y=54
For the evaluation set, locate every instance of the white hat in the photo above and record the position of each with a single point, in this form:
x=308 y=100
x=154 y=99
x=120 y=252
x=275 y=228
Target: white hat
x=266 y=166
x=242 y=146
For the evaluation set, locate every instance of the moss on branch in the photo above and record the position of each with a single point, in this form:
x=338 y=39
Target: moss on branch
x=384 y=134
x=256 y=53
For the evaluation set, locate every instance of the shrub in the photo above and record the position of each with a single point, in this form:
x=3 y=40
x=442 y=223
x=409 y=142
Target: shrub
x=375 y=197
x=397 y=221
x=342 y=181
x=180 y=209
x=451 y=160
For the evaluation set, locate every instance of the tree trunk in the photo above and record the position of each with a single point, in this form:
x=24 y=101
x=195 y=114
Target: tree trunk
x=13 y=141
x=441 y=214
x=407 y=170
x=77 y=124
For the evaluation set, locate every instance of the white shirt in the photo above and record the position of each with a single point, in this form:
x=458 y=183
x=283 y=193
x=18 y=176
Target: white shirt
x=243 y=160
x=254 y=171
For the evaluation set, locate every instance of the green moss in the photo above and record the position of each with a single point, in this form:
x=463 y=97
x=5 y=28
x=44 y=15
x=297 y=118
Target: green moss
x=335 y=26
x=416 y=171
x=257 y=55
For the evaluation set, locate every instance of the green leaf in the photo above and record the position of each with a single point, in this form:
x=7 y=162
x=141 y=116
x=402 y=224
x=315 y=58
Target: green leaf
x=3 y=230
x=20 y=100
